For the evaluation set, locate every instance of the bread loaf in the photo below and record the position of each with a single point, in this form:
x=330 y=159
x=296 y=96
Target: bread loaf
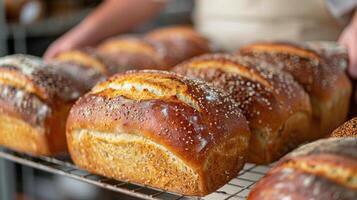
x=323 y=170
x=327 y=85
x=34 y=103
x=86 y=67
x=348 y=129
x=277 y=108
x=181 y=42
x=130 y=52
x=159 y=49
x=159 y=129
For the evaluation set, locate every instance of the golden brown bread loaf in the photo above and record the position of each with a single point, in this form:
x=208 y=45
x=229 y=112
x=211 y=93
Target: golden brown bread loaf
x=133 y=52
x=327 y=85
x=86 y=67
x=348 y=129
x=159 y=49
x=323 y=170
x=159 y=129
x=277 y=108
x=34 y=103
x=181 y=42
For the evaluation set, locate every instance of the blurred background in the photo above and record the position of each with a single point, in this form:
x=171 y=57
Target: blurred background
x=29 y=26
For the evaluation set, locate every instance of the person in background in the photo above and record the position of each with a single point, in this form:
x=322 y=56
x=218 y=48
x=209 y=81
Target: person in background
x=229 y=23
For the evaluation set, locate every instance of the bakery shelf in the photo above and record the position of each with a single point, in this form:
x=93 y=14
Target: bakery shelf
x=237 y=189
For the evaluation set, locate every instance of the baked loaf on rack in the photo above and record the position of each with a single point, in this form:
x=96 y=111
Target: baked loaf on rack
x=130 y=52
x=34 y=103
x=323 y=170
x=181 y=42
x=327 y=85
x=348 y=129
x=86 y=67
x=160 y=129
x=159 y=49
x=277 y=107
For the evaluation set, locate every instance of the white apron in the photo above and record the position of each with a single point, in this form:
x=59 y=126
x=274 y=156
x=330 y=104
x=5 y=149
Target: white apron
x=231 y=23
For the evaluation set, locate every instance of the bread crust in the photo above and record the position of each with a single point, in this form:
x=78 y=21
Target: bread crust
x=348 y=129
x=133 y=52
x=259 y=91
x=33 y=121
x=328 y=86
x=193 y=128
x=84 y=67
x=181 y=42
x=325 y=169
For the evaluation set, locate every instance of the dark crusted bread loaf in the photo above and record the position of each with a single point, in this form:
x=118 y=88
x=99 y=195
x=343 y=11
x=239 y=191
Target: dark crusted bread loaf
x=133 y=52
x=34 y=103
x=348 y=129
x=159 y=129
x=181 y=42
x=323 y=170
x=277 y=108
x=86 y=67
x=159 y=49
x=327 y=85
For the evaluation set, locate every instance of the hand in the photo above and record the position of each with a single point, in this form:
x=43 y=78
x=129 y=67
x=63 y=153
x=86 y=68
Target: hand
x=64 y=43
x=348 y=38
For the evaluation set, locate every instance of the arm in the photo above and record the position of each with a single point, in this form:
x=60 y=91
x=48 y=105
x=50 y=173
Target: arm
x=348 y=38
x=110 y=18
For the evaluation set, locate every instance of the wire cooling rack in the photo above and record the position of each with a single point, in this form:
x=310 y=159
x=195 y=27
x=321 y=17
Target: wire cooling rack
x=237 y=189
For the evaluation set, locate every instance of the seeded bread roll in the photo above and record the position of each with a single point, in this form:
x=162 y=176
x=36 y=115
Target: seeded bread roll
x=159 y=129
x=277 y=108
x=327 y=85
x=86 y=67
x=323 y=170
x=130 y=52
x=348 y=129
x=34 y=103
x=181 y=42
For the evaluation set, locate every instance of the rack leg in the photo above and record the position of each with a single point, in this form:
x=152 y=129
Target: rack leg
x=7 y=180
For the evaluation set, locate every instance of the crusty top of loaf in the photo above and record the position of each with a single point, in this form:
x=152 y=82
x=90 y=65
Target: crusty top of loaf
x=130 y=44
x=180 y=42
x=184 y=115
x=316 y=75
x=348 y=129
x=30 y=74
x=178 y=33
x=89 y=58
x=339 y=146
x=259 y=90
x=327 y=169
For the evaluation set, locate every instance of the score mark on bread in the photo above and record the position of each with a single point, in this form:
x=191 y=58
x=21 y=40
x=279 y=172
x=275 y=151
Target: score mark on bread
x=147 y=87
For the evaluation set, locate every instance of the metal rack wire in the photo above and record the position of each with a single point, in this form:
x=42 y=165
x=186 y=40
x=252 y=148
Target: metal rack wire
x=237 y=189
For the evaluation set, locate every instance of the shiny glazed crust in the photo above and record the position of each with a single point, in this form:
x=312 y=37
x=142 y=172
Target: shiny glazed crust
x=34 y=103
x=348 y=129
x=322 y=170
x=259 y=91
x=327 y=85
x=159 y=129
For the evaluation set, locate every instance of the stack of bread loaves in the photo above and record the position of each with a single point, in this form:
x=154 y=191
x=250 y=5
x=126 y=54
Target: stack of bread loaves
x=322 y=170
x=180 y=133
